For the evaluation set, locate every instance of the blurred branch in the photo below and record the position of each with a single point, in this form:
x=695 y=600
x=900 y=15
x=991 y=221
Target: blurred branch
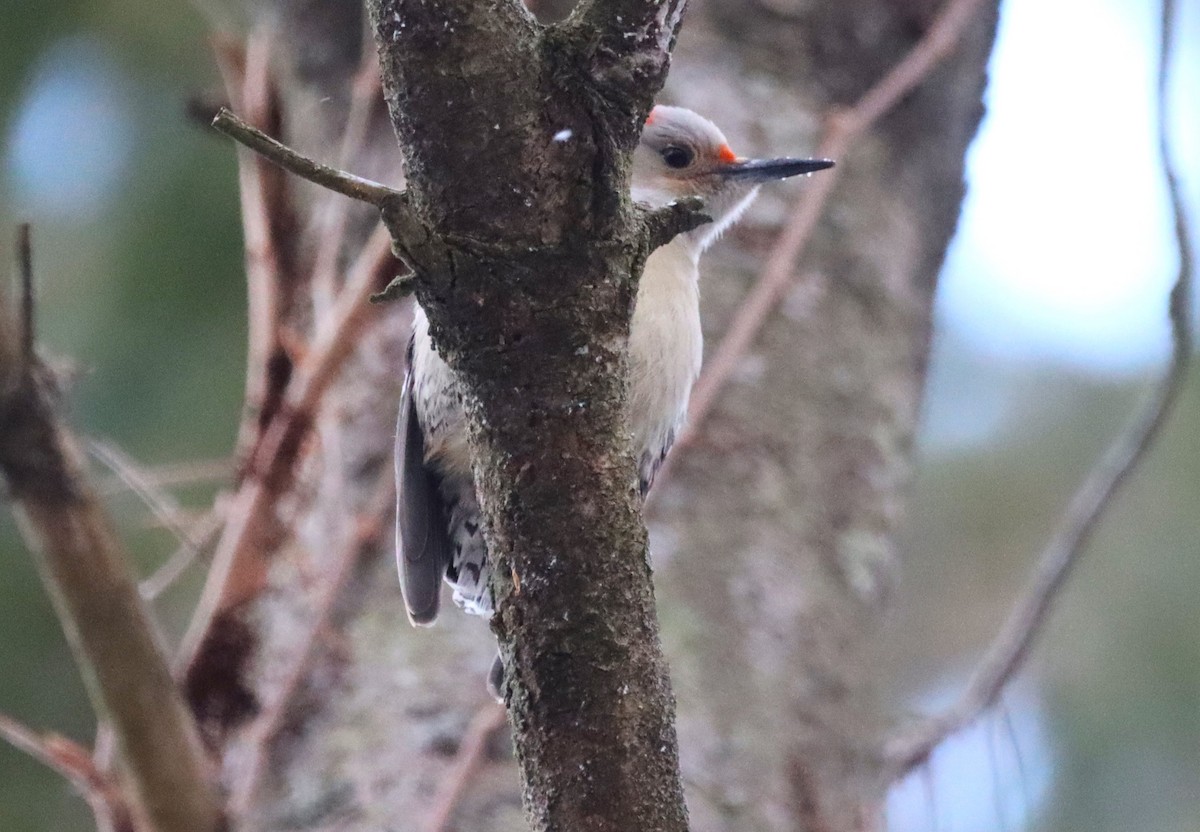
x=343 y=183
x=1007 y=652
x=371 y=525
x=471 y=753
x=200 y=535
x=28 y=323
x=73 y=762
x=265 y=204
x=842 y=131
x=193 y=535
x=365 y=91
x=163 y=506
x=86 y=573
x=174 y=474
x=251 y=533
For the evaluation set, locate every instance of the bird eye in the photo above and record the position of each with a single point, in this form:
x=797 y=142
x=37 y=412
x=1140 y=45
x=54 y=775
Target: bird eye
x=677 y=157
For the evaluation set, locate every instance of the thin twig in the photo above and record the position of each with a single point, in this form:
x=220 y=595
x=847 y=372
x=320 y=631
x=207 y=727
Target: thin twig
x=240 y=562
x=332 y=219
x=201 y=534
x=471 y=754
x=344 y=183
x=364 y=92
x=86 y=573
x=1009 y=648
x=173 y=474
x=371 y=525
x=25 y=739
x=163 y=506
x=28 y=332
x=842 y=131
x=71 y=761
x=265 y=205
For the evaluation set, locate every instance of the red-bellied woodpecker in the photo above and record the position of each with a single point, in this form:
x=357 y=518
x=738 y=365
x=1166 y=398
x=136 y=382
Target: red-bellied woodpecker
x=438 y=528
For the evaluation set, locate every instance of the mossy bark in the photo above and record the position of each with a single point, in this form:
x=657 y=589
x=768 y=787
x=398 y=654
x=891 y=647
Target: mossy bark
x=526 y=252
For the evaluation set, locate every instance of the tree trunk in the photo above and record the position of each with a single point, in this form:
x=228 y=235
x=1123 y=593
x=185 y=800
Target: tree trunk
x=773 y=542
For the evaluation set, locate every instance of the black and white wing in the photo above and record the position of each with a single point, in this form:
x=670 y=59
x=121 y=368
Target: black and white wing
x=422 y=546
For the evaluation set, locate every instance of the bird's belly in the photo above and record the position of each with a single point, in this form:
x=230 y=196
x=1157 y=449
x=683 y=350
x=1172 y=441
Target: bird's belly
x=665 y=351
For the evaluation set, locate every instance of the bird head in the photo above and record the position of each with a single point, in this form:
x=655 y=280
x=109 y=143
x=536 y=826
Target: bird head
x=683 y=154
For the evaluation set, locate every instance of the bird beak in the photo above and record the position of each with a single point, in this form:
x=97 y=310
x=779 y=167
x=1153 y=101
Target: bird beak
x=765 y=170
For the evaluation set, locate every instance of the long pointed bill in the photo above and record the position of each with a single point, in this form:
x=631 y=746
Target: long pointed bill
x=765 y=170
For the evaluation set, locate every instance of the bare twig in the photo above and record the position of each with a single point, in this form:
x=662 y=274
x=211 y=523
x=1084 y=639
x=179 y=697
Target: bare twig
x=191 y=535
x=172 y=474
x=471 y=753
x=371 y=525
x=74 y=763
x=87 y=575
x=842 y=131
x=240 y=562
x=266 y=213
x=332 y=218
x=343 y=183
x=1009 y=648
x=28 y=331
x=163 y=506
x=364 y=93
x=201 y=534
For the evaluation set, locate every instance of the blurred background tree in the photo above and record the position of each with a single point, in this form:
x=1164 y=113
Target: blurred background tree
x=1050 y=320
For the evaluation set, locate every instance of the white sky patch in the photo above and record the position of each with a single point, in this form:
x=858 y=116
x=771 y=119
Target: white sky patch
x=70 y=143
x=995 y=775
x=1064 y=249
x=564 y=135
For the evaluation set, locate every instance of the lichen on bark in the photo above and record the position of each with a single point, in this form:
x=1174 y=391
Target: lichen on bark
x=526 y=254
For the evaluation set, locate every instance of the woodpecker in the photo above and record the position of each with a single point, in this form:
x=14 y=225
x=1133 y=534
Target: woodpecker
x=438 y=525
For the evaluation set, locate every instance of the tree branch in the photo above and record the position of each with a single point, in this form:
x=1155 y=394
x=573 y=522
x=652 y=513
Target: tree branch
x=471 y=753
x=28 y=322
x=72 y=762
x=628 y=51
x=164 y=507
x=1009 y=649
x=201 y=534
x=645 y=29
x=527 y=276
x=364 y=92
x=252 y=535
x=266 y=207
x=347 y=184
x=87 y=575
x=174 y=474
x=664 y=224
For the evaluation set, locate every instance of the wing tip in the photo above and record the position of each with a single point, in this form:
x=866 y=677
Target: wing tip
x=423 y=618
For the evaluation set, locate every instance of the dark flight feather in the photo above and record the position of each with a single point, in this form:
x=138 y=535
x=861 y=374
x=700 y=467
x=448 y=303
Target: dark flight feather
x=422 y=545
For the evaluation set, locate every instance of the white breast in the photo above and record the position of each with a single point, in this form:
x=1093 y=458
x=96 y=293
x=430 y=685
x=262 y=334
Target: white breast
x=665 y=347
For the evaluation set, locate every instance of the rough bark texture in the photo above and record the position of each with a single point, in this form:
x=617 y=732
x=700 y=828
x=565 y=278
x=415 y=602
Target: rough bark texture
x=774 y=541
x=526 y=252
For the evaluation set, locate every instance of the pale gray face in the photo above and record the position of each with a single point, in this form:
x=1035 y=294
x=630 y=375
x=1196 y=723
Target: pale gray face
x=683 y=154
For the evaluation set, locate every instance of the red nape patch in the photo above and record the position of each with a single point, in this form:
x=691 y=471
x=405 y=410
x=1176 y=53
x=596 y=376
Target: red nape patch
x=725 y=154
x=650 y=118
